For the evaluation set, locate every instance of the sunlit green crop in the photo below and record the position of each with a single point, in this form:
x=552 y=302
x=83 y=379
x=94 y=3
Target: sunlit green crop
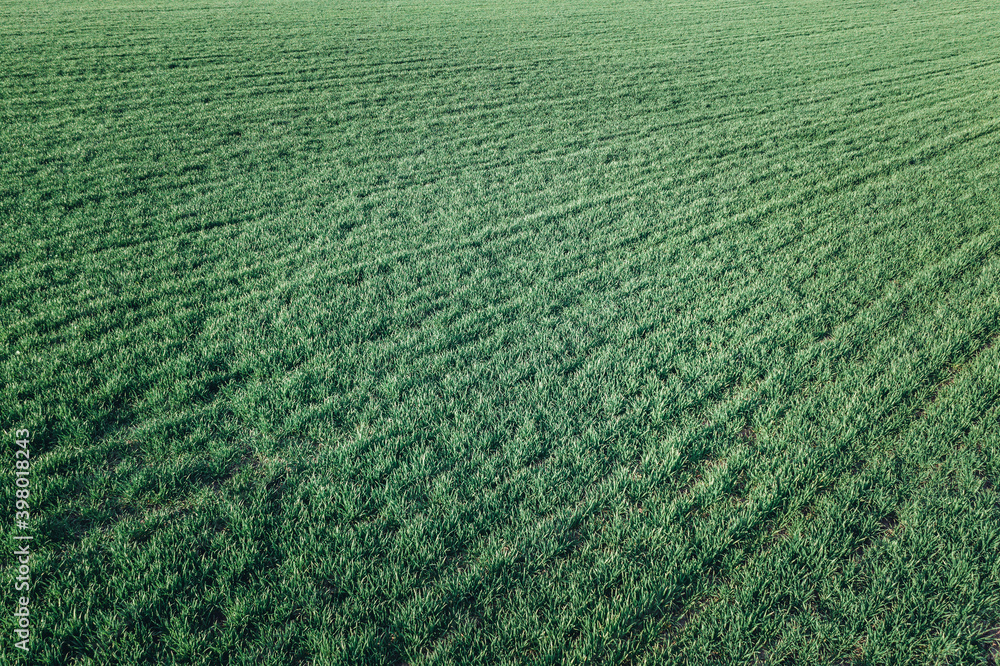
x=460 y=332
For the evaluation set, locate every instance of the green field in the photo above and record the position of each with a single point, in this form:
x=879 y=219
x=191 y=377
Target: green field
x=463 y=332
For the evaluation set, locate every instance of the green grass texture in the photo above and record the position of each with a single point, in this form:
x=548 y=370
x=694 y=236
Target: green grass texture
x=522 y=332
